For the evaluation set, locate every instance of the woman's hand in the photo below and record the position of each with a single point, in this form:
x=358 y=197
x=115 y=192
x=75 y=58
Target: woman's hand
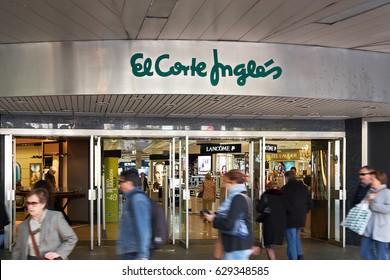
x=209 y=217
x=51 y=255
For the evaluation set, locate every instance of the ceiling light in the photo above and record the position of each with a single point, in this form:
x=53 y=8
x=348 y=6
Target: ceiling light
x=102 y=103
x=354 y=11
x=303 y=106
x=370 y=107
x=20 y=5
x=19 y=101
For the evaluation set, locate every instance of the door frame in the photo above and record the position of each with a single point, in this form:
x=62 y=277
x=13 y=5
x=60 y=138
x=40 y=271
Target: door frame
x=10 y=133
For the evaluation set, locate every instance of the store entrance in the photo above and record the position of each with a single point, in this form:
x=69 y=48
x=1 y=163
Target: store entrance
x=175 y=169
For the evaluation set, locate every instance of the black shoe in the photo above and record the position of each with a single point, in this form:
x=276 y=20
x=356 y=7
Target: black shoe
x=300 y=257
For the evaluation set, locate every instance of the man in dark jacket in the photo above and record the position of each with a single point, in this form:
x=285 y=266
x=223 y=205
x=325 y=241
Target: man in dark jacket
x=300 y=203
x=365 y=180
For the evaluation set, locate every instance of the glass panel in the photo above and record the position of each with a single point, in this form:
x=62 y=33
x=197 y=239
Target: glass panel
x=184 y=194
x=336 y=189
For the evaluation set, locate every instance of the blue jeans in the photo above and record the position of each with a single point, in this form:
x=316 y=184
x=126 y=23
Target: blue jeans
x=237 y=255
x=1 y=240
x=372 y=249
x=294 y=244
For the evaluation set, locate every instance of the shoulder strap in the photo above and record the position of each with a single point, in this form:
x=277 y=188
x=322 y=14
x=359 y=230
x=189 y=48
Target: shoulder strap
x=249 y=204
x=34 y=242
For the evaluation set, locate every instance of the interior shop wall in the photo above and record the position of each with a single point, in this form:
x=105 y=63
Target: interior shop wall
x=78 y=178
x=24 y=156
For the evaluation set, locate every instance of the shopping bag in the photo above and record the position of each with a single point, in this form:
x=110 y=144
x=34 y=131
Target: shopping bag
x=357 y=218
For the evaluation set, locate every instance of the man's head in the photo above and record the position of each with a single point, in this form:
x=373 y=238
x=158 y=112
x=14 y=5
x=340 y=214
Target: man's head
x=142 y=174
x=128 y=180
x=52 y=170
x=289 y=175
x=293 y=169
x=365 y=174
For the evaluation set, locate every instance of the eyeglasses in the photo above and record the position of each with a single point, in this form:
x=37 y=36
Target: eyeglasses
x=33 y=203
x=363 y=174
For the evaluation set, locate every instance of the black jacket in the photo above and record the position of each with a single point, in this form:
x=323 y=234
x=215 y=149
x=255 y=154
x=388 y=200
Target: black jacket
x=4 y=220
x=233 y=243
x=299 y=200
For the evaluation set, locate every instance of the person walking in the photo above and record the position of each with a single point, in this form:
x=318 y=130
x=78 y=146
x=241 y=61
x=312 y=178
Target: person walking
x=234 y=215
x=364 y=186
x=44 y=234
x=299 y=204
x=209 y=189
x=135 y=228
x=374 y=243
x=4 y=221
x=50 y=178
x=273 y=206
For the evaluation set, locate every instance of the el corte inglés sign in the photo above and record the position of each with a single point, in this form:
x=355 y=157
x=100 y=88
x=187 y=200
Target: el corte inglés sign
x=144 y=66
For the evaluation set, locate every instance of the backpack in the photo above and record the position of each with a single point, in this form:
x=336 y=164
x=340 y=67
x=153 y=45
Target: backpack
x=159 y=223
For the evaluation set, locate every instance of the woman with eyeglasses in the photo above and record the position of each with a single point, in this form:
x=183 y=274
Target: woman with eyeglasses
x=233 y=218
x=45 y=234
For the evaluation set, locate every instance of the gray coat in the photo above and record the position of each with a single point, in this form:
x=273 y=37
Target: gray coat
x=378 y=227
x=55 y=236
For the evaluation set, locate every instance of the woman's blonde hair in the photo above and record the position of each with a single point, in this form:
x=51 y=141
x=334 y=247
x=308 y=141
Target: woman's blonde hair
x=207 y=176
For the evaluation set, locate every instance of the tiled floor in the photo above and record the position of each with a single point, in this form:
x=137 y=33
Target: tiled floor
x=201 y=244
x=313 y=250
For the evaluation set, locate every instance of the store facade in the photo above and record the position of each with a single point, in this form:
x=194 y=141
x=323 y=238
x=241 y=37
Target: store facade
x=34 y=74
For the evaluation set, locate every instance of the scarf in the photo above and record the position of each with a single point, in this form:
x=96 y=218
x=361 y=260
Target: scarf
x=225 y=206
x=240 y=228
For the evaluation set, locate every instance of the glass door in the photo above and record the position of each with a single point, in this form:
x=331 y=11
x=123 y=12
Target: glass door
x=256 y=175
x=11 y=173
x=95 y=191
x=184 y=192
x=336 y=191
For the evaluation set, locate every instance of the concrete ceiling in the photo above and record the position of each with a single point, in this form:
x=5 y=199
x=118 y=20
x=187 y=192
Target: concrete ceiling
x=302 y=22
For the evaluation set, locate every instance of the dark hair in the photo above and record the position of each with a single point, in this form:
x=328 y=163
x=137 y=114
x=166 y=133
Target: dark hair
x=290 y=175
x=41 y=193
x=131 y=175
x=381 y=176
x=293 y=168
x=42 y=184
x=369 y=169
x=236 y=175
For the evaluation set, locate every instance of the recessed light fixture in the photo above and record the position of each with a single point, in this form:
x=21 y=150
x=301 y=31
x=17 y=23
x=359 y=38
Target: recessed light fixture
x=370 y=107
x=102 y=103
x=20 y=5
x=303 y=106
x=19 y=101
x=354 y=11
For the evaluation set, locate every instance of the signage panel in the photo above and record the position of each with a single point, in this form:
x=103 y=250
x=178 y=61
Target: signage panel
x=215 y=149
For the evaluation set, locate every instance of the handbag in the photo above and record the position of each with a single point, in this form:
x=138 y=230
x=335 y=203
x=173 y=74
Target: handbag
x=266 y=212
x=200 y=194
x=358 y=217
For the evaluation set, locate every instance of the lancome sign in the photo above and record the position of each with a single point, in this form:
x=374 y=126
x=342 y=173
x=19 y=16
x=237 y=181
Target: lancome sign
x=229 y=148
x=142 y=66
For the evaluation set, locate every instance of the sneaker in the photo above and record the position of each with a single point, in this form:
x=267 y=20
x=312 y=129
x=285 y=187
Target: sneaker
x=300 y=257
